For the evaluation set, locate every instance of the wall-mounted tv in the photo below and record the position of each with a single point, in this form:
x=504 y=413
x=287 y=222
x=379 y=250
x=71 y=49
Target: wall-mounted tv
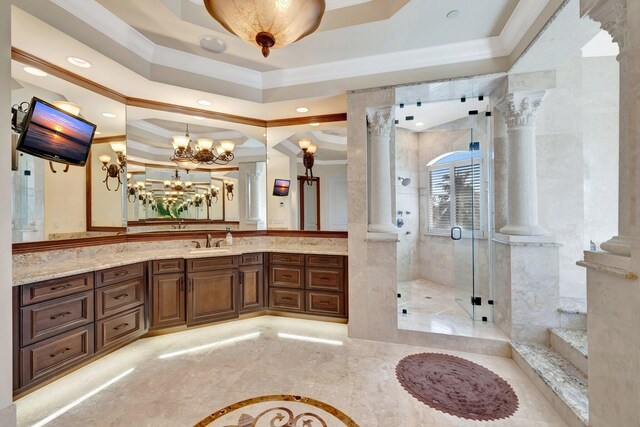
x=281 y=187
x=55 y=135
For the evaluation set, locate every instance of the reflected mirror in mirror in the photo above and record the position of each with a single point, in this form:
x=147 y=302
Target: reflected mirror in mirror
x=50 y=200
x=190 y=172
x=314 y=161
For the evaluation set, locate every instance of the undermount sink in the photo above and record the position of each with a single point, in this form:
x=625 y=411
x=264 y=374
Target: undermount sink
x=204 y=251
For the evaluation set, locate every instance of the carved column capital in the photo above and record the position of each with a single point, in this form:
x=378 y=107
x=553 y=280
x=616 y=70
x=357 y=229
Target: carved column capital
x=612 y=16
x=380 y=122
x=520 y=109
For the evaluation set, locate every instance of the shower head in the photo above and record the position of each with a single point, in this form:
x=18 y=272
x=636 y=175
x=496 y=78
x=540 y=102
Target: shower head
x=405 y=181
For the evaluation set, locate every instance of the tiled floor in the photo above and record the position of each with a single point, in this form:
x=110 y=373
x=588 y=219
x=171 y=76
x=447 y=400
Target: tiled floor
x=243 y=359
x=432 y=307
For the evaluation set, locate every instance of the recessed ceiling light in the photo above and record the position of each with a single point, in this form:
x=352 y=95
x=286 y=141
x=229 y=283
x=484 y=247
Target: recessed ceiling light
x=98 y=133
x=35 y=71
x=204 y=102
x=109 y=115
x=419 y=124
x=302 y=110
x=314 y=124
x=212 y=44
x=453 y=14
x=198 y=118
x=79 y=62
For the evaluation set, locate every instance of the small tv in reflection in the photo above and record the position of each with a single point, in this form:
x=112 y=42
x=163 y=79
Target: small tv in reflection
x=281 y=187
x=55 y=135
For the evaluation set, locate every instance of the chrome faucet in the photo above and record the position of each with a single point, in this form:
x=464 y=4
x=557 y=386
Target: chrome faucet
x=208 y=241
x=197 y=244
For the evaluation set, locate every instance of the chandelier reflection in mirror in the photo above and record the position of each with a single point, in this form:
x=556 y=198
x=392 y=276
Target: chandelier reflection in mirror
x=117 y=169
x=308 y=159
x=269 y=24
x=228 y=185
x=177 y=184
x=187 y=157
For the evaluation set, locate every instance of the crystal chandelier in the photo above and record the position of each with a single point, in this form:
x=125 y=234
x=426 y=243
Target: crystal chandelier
x=268 y=23
x=188 y=158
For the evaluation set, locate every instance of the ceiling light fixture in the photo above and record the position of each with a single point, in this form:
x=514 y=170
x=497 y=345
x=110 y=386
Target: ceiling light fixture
x=109 y=115
x=302 y=110
x=309 y=149
x=204 y=102
x=183 y=153
x=212 y=44
x=271 y=24
x=35 y=71
x=453 y=14
x=79 y=62
x=419 y=124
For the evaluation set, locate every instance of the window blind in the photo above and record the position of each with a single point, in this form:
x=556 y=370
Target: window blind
x=467 y=196
x=440 y=202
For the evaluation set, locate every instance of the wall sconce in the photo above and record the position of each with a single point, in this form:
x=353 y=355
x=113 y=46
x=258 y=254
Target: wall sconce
x=212 y=194
x=309 y=149
x=228 y=185
x=114 y=170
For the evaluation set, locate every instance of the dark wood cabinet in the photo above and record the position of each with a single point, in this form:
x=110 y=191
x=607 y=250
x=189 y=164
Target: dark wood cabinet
x=327 y=279
x=56 y=288
x=168 y=300
x=118 y=274
x=212 y=296
x=119 y=328
x=251 y=292
x=286 y=299
x=286 y=276
x=119 y=297
x=164 y=266
x=328 y=303
x=286 y=259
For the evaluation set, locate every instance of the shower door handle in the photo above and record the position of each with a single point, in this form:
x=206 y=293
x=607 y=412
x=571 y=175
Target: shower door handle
x=456 y=233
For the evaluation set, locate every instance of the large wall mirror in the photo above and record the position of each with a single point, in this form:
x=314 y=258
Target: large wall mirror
x=192 y=172
x=51 y=201
x=312 y=161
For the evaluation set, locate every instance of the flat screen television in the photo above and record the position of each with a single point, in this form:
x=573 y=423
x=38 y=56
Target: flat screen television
x=281 y=187
x=55 y=135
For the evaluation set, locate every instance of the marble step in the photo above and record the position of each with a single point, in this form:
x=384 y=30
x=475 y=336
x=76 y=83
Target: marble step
x=573 y=313
x=561 y=383
x=572 y=345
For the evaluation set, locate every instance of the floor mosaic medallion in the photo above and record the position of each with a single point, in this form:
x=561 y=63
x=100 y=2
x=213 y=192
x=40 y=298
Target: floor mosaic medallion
x=457 y=386
x=279 y=410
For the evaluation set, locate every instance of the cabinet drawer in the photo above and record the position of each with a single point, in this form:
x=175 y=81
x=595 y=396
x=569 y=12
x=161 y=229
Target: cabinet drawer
x=325 y=303
x=168 y=266
x=251 y=259
x=204 y=264
x=287 y=277
x=329 y=279
x=286 y=299
x=289 y=259
x=119 y=328
x=118 y=274
x=45 y=291
x=324 y=261
x=55 y=355
x=116 y=298
x=44 y=320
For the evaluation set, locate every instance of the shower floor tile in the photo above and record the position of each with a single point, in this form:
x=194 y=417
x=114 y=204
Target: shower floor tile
x=432 y=307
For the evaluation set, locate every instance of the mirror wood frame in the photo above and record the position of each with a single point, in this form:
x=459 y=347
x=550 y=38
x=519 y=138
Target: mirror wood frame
x=121 y=236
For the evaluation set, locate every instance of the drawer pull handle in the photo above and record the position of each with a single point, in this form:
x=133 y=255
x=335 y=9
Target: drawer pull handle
x=117 y=328
x=59 y=352
x=121 y=296
x=122 y=273
x=57 y=288
x=287 y=276
x=57 y=316
x=323 y=303
x=325 y=279
x=286 y=298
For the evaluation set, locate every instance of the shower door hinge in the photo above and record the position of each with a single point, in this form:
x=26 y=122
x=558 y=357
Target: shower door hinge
x=476 y=301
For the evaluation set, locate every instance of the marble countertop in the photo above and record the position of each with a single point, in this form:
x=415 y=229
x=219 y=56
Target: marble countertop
x=77 y=265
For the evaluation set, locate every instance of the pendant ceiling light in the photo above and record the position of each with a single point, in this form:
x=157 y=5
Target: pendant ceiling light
x=269 y=23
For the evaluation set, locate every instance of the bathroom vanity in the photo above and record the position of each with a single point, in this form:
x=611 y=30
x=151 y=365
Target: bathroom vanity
x=81 y=313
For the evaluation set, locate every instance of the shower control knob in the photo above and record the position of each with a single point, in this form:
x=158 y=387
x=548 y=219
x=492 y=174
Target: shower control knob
x=399 y=223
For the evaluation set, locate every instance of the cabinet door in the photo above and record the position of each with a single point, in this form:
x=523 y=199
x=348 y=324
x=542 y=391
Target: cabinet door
x=212 y=296
x=251 y=288
x=168 y=300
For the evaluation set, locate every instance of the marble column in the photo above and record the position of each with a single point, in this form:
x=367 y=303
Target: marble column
x=612 y=15
x=253 y=193
x=380 y=125
x=522 y=195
